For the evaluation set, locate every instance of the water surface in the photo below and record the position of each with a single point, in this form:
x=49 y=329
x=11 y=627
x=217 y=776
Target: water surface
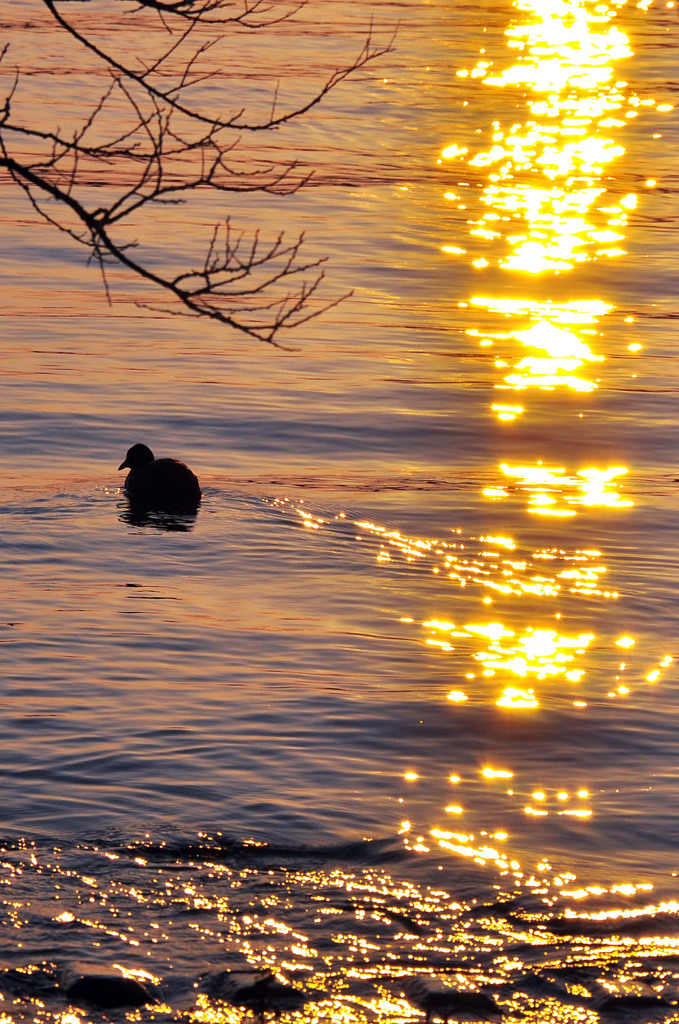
x=400 y=702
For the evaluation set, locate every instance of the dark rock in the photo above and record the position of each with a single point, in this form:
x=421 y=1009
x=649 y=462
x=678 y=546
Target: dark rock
x=538 y=986
x=30 y=982
x=105 y=987
x=408 y=923
x=259 y=991
x=645 y=925
x=630 y=1001
x=435 y=998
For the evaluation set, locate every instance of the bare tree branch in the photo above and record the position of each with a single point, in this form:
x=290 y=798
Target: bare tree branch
x=175 y=96
x=256 y=14
x=146 y=142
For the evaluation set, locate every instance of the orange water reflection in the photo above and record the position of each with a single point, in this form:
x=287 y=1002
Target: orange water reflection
x=536 y=652
x=546 y=204
x=524 y=658
x=544 y=197
x=557 y=338
x=550 y=491
x=545 y=207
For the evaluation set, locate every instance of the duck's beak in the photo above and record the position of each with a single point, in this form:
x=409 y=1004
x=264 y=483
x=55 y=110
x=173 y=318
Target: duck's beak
x=124 y=465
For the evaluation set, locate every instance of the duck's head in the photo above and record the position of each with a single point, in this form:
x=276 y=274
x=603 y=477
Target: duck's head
x=137 y=456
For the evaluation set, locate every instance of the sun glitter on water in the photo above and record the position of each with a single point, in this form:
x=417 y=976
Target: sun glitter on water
x=551 y=491
x=545 y=205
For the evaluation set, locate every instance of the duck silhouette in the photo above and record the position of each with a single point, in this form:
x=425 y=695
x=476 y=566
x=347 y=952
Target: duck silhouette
x=163 y=485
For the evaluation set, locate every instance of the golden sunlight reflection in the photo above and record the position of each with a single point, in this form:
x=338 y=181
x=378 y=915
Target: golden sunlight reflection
x=494 y=847
x=487 y=563
x=497 y=773
x=401 y=951
x=517 y=666
x=556 y=339
x=522 y=658
x=550 y=491
x=511 y=658
x=504 y=662
x=545 y=204
x=545 y=201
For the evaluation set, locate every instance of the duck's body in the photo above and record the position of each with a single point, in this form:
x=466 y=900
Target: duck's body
x=163 y=484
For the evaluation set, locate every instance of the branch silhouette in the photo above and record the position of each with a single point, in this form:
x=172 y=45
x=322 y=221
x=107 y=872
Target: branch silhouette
x=146 y=141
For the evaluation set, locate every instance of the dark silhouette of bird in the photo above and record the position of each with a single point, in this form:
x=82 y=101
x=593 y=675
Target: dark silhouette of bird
x=164 y=485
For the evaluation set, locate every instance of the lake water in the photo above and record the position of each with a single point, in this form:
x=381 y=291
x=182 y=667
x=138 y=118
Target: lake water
x=398 y=709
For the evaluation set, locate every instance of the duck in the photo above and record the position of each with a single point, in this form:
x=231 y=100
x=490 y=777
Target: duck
x=164 y=485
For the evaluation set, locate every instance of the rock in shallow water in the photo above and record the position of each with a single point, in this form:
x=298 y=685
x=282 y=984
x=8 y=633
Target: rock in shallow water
x=105 y=987
x=259 y=991
x=436 y=999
